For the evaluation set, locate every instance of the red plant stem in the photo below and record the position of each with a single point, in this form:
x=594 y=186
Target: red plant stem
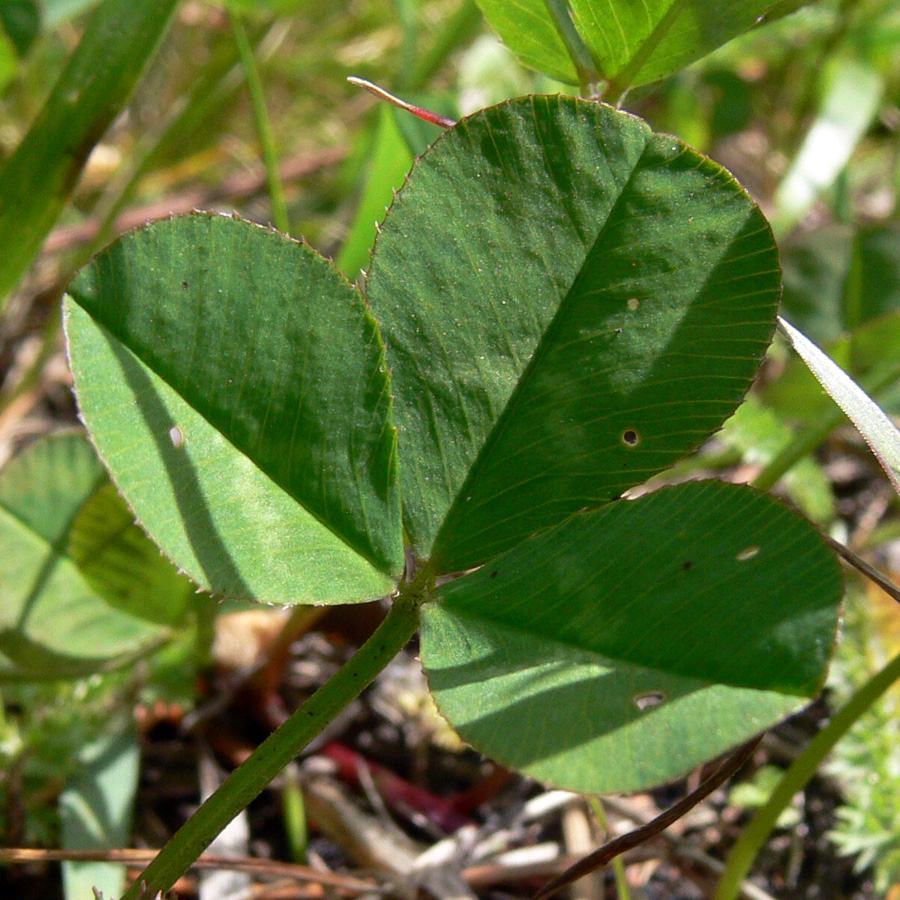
x=425 y=114
x=396 y=792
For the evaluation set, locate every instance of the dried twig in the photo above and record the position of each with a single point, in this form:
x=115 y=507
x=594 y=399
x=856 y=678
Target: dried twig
x=609 y=851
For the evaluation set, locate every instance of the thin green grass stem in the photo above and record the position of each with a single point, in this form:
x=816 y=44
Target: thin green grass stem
x=797 y=776
x=618 y=867
x=250 y=779
x=263 y=124
x=293 y=809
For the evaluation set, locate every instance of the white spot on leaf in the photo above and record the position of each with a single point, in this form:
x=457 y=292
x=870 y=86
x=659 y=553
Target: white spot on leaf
x=649 y=700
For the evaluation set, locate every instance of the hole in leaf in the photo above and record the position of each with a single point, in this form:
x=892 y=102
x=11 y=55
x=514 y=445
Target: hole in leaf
x=747 y=553
x=631 y=437
x=176 y=436
x=634 y=304
x=649 y=700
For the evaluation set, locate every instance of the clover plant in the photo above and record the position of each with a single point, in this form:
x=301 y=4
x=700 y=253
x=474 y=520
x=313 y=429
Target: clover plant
x=560 y=304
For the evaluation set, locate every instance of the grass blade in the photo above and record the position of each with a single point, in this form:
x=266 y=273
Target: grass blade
x=38 y=178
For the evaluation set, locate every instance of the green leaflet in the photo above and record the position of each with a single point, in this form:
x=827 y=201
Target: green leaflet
x=570 y=303
x=631 y=43
x=234 y=384
x=628 y=645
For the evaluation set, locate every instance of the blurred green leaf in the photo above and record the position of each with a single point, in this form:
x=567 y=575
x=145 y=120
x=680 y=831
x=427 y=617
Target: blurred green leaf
x=36 y=181
x=57 y=11
x=53 y=622
x=842 y=285
x=757 y=790
x=548 y=324
x=816 y=271
x=850 y=101
x=272 y=435
x=627 y=645
x=761 y=435
x=21 y=19
x=96 y=810
x=9 y=60
x=278 y=7
x=123 y=564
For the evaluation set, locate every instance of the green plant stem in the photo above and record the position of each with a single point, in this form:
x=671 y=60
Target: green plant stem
x=618 y=866
x=293 y=810
x=796 y=778
x=249 y=780
x=585 y=65
x=815 y=434
x=619 y=85
x=263 y=123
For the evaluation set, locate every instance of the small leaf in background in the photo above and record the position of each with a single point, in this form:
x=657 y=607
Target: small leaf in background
x=849 y=104
x=21 y=20
x=878 y=431
x=760 y=435
x=756 y=792
x=842 y=290
x=54 y=621
x=230 y=373
x=839 y=278
x=641 y=41
x=551 y=327
x=96 y=811
x=628 y=645
x=123 y=564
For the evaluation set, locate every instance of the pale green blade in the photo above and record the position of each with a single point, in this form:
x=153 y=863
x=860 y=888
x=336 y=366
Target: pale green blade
x=848 y=108
x=391 y=160
x=95 y=811
x=878 y=431
x=54 y=622
x=570 y=303
x=235 y=386
x=35 y=182
x=628 y=645
x=631 y=43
